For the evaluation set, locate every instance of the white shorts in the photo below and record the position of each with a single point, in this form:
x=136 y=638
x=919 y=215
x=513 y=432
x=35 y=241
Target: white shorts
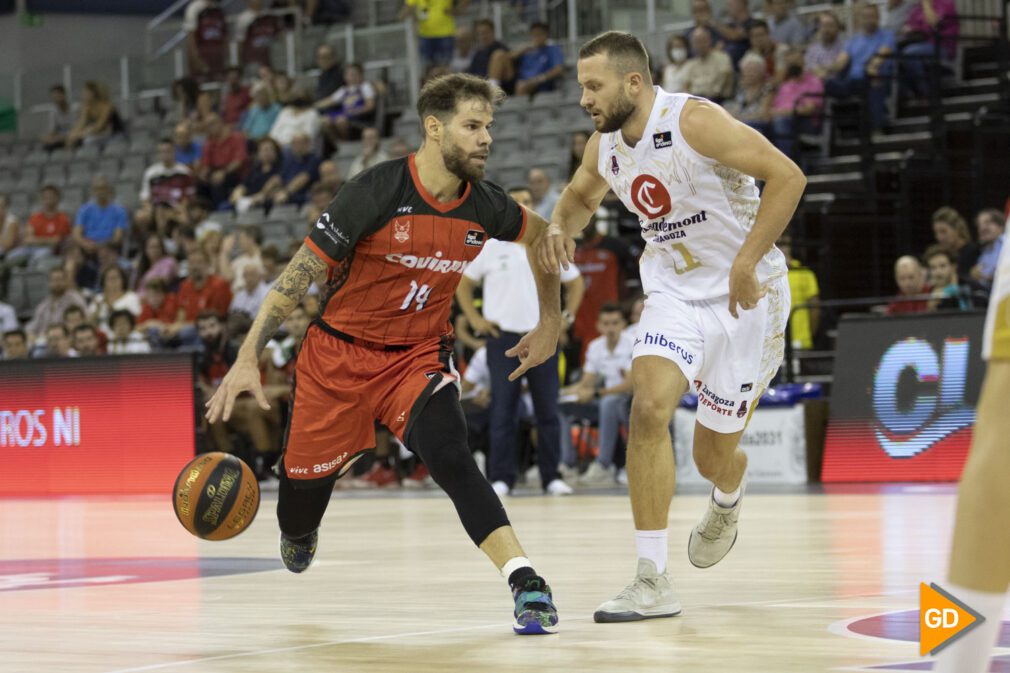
x=730 y=361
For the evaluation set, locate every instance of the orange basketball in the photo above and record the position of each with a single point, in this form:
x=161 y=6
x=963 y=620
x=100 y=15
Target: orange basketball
x=216 y=496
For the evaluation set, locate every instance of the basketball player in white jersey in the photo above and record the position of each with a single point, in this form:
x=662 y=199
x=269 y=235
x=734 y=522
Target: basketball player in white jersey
x=717 y=292
x=980 y=557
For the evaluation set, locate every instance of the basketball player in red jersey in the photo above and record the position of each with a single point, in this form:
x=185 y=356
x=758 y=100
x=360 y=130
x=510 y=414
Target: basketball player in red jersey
x=396 y=240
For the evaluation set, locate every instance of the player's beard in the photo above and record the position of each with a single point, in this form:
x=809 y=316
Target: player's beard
x=624 y=107
x=457 y=161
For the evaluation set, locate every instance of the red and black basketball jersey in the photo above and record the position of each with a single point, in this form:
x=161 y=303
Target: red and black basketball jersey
x=258 y=37
x=397 y=254
x=211 y=27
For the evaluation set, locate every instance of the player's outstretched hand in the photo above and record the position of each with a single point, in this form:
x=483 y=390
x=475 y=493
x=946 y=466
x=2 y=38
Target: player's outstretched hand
x=556 y=250
x=744 y=289
x=242 y=377
x=535 y=347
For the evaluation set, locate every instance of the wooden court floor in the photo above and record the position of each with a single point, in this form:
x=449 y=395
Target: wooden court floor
x=816 y=582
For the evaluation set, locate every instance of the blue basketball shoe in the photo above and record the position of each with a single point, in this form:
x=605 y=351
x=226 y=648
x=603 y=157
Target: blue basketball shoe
x=535 y=612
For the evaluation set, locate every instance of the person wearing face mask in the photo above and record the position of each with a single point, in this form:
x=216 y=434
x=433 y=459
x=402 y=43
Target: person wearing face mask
x=797 y=104
x=673 y=72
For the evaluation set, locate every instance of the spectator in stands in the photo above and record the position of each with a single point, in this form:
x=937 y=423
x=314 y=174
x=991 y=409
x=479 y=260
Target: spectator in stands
x=98 y=118
x=463 y=47
x=371 y=152
x=261 y=115
x=159 y=312
x=771 y=52
x=785 y=27
x=115 y=295
x=168 y=183
x=910 y=277
x=932 y=26
x=319 y=197
x=15 y=345
x=10 y=234
x=272 y=267
x=330 y=177
x=221 y=162
x=235 y=98
x=577 y=149
x=299 y=170
x=753 y=99
x=540 y=64
x=331 y=72
x=701 y=13
x=508 y=311
x=185 y=92
x=952 y=234
x=601 y=269
x=709 y=73
x=635 y=306
x=206 y=38
x=252 y=291
x=943 y=277
x=202 y=291
x=187 y=150
x=397 y=148
x=822 y=54
x=44 y=232
x=897 y=14
x=73 y=316
x=100 y=220
x=262 y=180
x=436 y=27
x=325 y=12
x=350 y=108
x=247 y=243
x=797 y=104
x=206 y=110
x=491 y=58
x=210 y=239
x=86 y=341
x=734 y=30
x=284 y=89
x=606 y=382
x=674 y=70
x=58 y=343
x=153 y=262
x=297 y=116
x=990 y=225
x=60 y=119
x=544 y=195
x=805 y=292
x=8 y=317
x=257 y=31
x=123 y=339
x=862 y=64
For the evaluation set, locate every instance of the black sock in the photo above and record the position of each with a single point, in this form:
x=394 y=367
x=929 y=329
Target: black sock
x=519 y=575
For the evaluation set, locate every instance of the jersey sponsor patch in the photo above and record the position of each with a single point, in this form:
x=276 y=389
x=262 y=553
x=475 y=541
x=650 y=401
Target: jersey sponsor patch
x=401 y=230
x=663 y=139
x=650 y=196
x=474 y=238
x=332 y=232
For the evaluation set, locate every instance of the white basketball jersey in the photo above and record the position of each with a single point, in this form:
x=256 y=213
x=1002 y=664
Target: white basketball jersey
x=694 y=212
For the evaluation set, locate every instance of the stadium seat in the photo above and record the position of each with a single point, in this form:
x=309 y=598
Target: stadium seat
x=133 y=169
x=79 y=174
x=116 y=147
x=54 y=175
x=29 y=180
x=287 y=211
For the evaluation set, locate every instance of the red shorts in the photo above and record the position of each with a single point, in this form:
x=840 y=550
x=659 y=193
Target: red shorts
x=341 y=389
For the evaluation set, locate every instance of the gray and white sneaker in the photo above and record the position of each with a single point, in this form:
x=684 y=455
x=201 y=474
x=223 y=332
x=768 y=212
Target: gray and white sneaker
x=650 y=595
x=712 y=539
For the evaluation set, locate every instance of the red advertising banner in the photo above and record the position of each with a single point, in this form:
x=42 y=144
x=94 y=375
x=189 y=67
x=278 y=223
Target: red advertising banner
x=111 y=425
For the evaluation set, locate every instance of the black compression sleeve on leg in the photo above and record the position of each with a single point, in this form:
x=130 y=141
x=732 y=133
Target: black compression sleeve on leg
x=300 y=510
x=438 y=436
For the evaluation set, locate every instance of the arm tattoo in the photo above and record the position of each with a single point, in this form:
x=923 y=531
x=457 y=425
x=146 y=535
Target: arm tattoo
x=292 y=285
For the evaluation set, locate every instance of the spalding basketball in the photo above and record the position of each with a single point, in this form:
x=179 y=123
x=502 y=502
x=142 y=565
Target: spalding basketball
x=216 y=496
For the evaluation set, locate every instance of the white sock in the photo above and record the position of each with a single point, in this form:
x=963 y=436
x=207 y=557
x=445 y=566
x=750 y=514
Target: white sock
x=514 y=564
x=727 y=499
x=651 y=544
x=971 y=653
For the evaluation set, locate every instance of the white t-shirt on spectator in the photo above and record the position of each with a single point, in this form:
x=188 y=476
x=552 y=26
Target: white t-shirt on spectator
x=510 y=292
x=156 y=171
x=8 y=317
x=130 y=301
x=248 y=302
x=192 y=14
x=290 y=122
x=612 y=366
x=134 y=344
x=478 y=373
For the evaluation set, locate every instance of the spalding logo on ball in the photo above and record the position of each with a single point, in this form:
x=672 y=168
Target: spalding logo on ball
x=216 y=496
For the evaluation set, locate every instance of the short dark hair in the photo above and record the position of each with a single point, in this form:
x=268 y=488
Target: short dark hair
x=441 y=95
x=61 y=327
x=122 y=313
x=624 y=51
x=50 y=188
x=484 y=22
x=59 y=87
x=115 y=268
x=994 y=214
x=157 y=284
x=85 y=327
x=541 y=26
x=270 y=252
x=255 y=232
x=18 y=332
x=209 y=315
x=356 y=66
x=758 y=23
x=937 y=250
x=73 y=308
x=611 y=307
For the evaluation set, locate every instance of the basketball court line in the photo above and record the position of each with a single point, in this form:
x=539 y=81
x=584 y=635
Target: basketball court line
x=464 y=629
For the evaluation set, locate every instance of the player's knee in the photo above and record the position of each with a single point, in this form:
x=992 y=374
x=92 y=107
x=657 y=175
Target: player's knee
x=650 y=414
x=452 y=465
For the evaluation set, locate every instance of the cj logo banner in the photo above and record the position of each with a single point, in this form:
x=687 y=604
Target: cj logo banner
x=942 y=619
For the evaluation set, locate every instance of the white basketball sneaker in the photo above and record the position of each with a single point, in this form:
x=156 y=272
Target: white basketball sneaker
x=712 y=539
x=648 y=596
